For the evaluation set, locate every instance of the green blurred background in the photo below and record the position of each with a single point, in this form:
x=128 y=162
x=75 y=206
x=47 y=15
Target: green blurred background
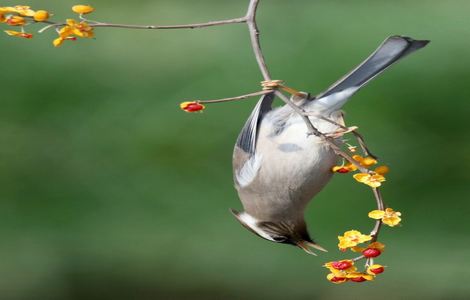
x=109 y=191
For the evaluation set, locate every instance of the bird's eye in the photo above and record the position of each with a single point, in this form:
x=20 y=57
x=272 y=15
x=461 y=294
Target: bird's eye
x=279 y=239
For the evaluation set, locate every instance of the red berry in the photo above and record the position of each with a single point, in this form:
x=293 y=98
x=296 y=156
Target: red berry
x=358 y=279
x=377 y=270
x=343 y=170
x=337 y=279
x=192 y=106
x=341 y=265
x=371 y=252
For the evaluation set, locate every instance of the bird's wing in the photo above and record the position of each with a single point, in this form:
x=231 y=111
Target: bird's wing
x=390 y=51
x=245 y=162
x=248 y=135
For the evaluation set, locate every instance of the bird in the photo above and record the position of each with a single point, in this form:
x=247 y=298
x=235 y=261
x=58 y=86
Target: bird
x=278 y=168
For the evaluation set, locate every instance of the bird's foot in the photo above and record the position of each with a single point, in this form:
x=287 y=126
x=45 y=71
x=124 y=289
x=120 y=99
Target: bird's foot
x=279 y=84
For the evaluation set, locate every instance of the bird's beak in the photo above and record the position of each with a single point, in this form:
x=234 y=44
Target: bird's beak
x=304 y=245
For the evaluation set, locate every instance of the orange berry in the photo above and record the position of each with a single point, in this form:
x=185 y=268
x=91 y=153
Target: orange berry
x=82 y=9
x=41 y=15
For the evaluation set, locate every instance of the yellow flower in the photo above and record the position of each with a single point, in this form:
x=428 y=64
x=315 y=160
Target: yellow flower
x=341 y=267
x=352 y=238
x=15 y=21
x=344 y=168
x=24 y=10
x=344 y=270
x=365 y=161
x=60 y=40
x=73 y=28
x=375 y=245
x=41 y=15
x=7 y=9
x=82 y=9
x=65 y=32
x=388 y=216
x=19 y=34
x=339 y=270
x=81 y=29
x=372 y=180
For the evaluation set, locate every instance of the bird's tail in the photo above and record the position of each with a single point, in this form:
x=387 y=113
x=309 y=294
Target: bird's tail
x=390 y=51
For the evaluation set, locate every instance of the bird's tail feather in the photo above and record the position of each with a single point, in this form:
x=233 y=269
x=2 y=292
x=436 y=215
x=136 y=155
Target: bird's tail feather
x=390 y=51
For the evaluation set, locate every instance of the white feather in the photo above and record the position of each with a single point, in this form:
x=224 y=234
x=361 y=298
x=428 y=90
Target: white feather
x=249 y=170
x=252 y=223
x=334 y=101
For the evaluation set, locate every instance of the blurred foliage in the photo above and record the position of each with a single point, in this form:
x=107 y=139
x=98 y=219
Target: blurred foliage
x=109 y=191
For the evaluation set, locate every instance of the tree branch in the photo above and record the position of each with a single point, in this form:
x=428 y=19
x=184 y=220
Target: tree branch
x=236 y=98
x=254 y=36
x=183 y=26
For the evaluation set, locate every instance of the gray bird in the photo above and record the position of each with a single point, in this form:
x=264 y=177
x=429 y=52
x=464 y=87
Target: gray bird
x=278 y=169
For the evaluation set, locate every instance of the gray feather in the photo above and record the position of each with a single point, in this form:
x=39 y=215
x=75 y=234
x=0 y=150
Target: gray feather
x=390 y=51
x=247 y=137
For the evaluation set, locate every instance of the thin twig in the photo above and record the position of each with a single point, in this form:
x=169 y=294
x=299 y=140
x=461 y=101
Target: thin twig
x=131 y=26
x=362 y=144
x=359 y=137
x=183 y=26
x=344 y=155
x=358 y=258
x=254 y=36
x=380 y=206
x=236 y=98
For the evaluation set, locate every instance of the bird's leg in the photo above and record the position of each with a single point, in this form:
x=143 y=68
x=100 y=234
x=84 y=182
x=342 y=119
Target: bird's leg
x=291 y=91
x=279 y=84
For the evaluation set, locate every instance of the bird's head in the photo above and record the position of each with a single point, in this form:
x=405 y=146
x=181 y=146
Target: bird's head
x=283 y=232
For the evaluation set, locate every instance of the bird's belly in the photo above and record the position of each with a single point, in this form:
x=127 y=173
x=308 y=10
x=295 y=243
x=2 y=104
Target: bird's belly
x=294 y=166
x=298 y=163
